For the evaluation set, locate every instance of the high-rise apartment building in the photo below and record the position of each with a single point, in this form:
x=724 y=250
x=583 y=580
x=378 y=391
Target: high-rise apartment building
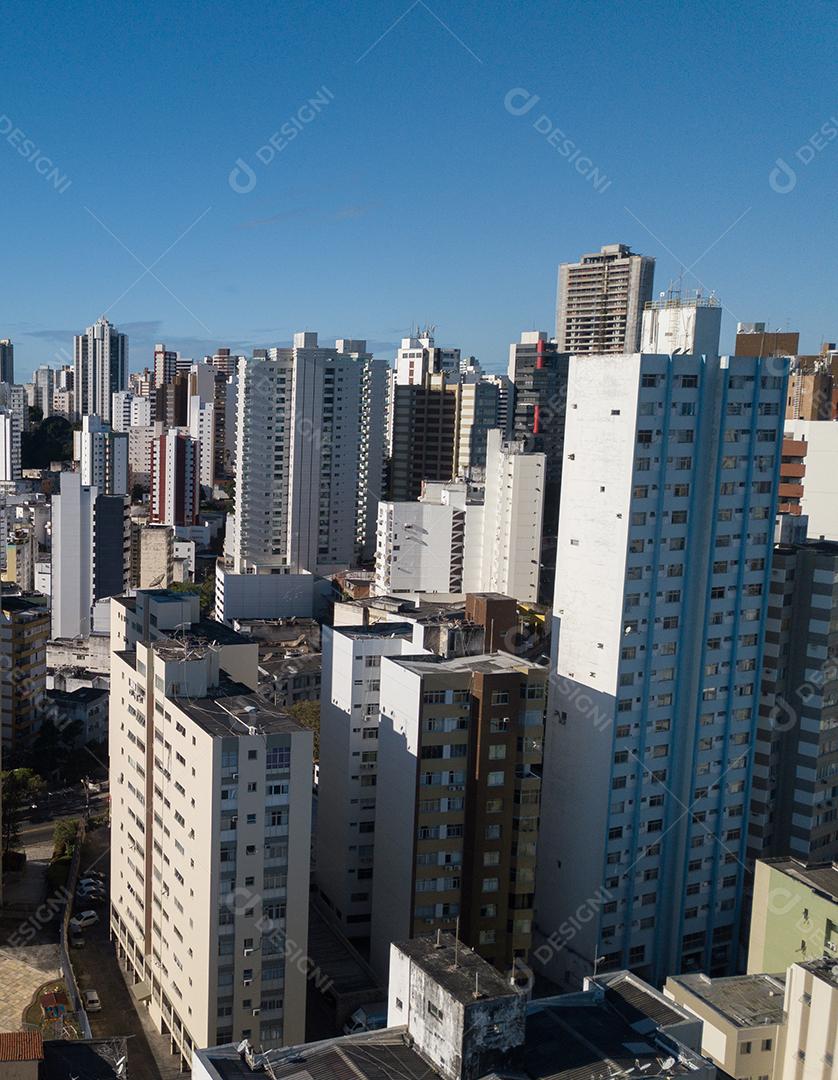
x=171 y=401
x=349 y=718
x=457 y=802
x=100 y=368
x=103 y=456
x=538 y=373
x=796 y=772
x=10 y=462
x=165 y=365
x=456 y=540
x=682 y=324
x=480 y=412
x=211 y=819
x=418 y=357
x=175 y=477
x=7 y=361
x=669 y=494
x=600 y=301
x=203 y=431
x=43 y=379
x=90 y=553
x=24 y=630
x=424 y=434
x=306 y=444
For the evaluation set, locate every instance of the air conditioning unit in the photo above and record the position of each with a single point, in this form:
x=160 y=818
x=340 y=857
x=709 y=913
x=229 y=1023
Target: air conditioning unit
x=255 y=1012
x=247 y=982
x=248 y=951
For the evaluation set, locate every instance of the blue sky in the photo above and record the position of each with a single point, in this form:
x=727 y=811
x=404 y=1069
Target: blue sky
x=411 y=193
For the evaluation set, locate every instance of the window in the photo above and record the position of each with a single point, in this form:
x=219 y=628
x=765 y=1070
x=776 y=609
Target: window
x=278 y=757
x=490 y=884
x=495 y=779
x=497 y=752
x=500 y=697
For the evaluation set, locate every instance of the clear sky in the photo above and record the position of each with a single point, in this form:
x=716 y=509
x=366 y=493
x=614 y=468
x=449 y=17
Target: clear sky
x=412 y=192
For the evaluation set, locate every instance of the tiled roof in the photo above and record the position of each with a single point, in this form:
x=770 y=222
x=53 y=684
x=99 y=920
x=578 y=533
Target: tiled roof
x=21 y=1046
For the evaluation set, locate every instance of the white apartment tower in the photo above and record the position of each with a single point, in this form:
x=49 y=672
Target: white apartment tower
x=600 y=301
x=669 y=492
x=453 y=541
x=90 y=553
x=103 y=456
x=9 y=447
x=44 y=381
x=211 y=820
x=305 y=447
x=418 y=357
x=202 y=430
x=100 y=368
x=349 y=718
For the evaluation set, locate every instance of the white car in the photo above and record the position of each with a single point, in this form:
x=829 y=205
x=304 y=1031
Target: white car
x=83 y=919
x=91 y=1001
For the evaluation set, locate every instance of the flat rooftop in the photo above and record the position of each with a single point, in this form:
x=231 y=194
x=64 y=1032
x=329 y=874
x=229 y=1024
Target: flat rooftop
x=744 y=1000
x=456 y=967
x=375 y=1055
x=822 y=877
x=414 y=608
x=825 y=967
x=573 y=1037
x=376 y=630
x=499 y=663
x=231 y=706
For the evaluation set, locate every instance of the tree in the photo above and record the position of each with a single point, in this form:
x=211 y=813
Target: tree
x=307 y=713
x=51 y=440
x=54 y=743
x=20 y=788
x=205 y=590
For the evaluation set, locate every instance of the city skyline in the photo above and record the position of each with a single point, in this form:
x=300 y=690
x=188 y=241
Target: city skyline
x=183 y=233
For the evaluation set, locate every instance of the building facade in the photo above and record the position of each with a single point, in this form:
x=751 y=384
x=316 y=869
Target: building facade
x=457 y=802
x=100 y=368
x=600 y=301
x=665 y=535
x=211 y=817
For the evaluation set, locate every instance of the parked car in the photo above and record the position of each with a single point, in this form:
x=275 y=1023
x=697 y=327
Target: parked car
x=91 y=886
x=91 y=1001
x=83 y=919
x=93 y=875
x=94 y=895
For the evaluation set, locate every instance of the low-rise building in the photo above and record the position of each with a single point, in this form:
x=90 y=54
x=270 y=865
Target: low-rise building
x=743 y=1019
x=452 y=1016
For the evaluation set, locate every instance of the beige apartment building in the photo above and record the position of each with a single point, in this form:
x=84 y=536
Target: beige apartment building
x=211 y=830
x=743 y=1019
x=457 y=802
